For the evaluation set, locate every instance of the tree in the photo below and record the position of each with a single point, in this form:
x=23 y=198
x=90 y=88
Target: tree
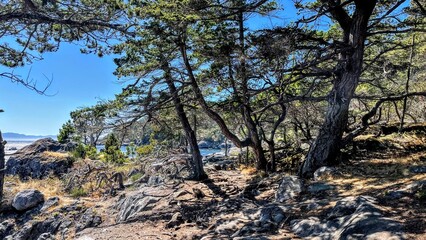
x=66 y=132
x=30 y=28
x=112 y=149
x=356 y=25
x=89 y=122
x=151 y=57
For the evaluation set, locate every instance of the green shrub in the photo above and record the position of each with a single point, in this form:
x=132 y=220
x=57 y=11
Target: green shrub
x=131 y=150
x=79 y=151
x=83 y=151
x=78 y=192
x=136 y=177
x=91 y=152
x=114 y=155
x=145 y=150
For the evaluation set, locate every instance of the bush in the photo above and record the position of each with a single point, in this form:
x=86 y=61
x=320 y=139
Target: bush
x=145 y=150
x=78 y=192
x=114 y=155
x=83 y=151
x=91 y=152
x=131 y=150
x=136 y=177
x=79 y=151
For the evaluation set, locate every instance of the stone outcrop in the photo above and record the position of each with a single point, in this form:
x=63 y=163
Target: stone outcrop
x=130 y=207
x=351 y=218
x=33 y=162
x=289 y=188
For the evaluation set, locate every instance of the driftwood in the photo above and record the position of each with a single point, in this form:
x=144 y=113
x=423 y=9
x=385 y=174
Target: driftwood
x=109 y=181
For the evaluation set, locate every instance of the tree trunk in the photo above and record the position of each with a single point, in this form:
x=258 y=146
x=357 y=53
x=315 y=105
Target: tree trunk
x=2 y=163
x=407 y=84
x=271 y=146
x=197 y=163
x=326 y=146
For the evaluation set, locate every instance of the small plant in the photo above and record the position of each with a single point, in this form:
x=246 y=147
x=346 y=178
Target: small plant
x=91 y=152
x=78 y=192
x=136 y=177
x=79 y=151
x=131 y=150
x=145 y=150
x=421 y=195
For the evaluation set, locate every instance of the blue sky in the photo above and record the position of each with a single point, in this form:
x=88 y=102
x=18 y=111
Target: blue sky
x=78 y=80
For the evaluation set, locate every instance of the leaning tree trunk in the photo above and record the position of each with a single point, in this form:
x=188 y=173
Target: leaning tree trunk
x=196 y=163
x=2 y=163
x=326 y=147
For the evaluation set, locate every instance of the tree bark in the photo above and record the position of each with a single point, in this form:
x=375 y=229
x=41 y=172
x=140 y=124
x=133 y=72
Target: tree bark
x=326 y=147
x=407 y=84
x=197 y=161
x=2 y=163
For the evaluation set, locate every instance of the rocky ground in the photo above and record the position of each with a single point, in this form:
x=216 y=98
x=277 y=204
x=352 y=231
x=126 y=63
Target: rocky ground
x=379 y=193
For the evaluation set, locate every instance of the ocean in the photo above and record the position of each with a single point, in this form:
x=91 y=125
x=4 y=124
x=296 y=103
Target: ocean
x=15 y=144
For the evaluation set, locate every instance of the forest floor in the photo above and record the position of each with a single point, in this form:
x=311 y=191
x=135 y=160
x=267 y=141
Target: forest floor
x=229 y=204
x=233 y=198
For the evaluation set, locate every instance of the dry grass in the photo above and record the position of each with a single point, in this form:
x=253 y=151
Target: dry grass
x=50 y=187
x=57 y=155
x=247 y=170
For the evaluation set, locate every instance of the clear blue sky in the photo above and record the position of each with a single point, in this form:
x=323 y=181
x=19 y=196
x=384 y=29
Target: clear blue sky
x=78 y=80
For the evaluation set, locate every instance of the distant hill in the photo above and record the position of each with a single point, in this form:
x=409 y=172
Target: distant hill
x=17 y=136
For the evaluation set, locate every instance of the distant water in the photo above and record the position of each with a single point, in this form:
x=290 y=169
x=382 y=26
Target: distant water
x=208 y=151
x=20 y=143
x=13 y=145
x=203 y=151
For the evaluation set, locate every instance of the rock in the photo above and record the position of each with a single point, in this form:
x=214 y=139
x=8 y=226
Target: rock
x=46 y=236
x=315 y=188
x=204 y=144
x=312 y=227
x=88 y=219
x=41 y=145
x=37 y=229
x=53 y=201
x=219 y=161
x=269 y=219
x=27 y=199
x=175 y=221
x=349 y=205
x=130 y=207
x=271 y=214
x=351 y=218
x=289 y=188
x=6 y=228
x=418 y=169
x=31 y=162
x=324 y=173
x=394 y=195
x=415 y=187
x=155 y=181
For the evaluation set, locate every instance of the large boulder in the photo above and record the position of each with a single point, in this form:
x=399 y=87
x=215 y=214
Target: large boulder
x=27 y=199
x=289 y=188
x=34 y=161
